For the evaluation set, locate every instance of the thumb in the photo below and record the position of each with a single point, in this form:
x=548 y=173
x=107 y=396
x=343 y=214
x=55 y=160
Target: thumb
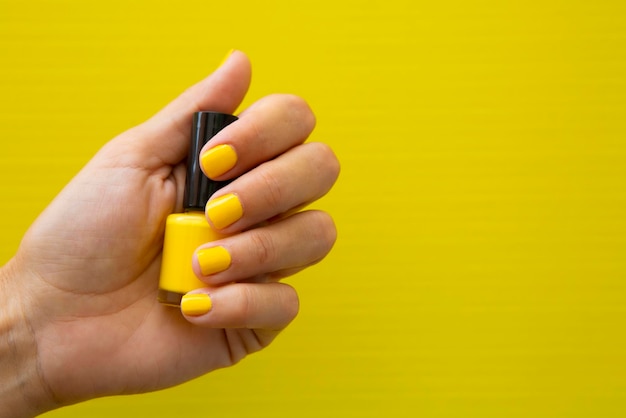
x=164 y=138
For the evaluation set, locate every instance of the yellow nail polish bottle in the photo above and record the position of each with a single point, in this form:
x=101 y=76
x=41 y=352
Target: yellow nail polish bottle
x=185 y=232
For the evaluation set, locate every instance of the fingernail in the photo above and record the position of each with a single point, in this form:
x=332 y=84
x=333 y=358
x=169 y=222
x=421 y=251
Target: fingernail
x=218 y=160
x=213 y=260
x=195 y=304
x=224 y=211
x=228 y=54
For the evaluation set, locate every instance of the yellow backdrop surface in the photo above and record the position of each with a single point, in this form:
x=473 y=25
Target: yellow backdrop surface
x=481 y=261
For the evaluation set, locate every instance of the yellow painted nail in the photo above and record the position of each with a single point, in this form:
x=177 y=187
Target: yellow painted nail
x=195 y=304
x=224 y=211
x=213 y=260
x=228 y=54
x=218 y=160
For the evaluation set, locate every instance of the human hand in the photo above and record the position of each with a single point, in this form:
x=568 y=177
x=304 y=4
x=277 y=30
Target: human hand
x=81 y=291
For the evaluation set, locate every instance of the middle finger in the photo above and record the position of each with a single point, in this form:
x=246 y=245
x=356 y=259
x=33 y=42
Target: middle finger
x=297 y=177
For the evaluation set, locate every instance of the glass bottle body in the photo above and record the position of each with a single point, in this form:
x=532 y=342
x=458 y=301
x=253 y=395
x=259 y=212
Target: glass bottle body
x=184 y=233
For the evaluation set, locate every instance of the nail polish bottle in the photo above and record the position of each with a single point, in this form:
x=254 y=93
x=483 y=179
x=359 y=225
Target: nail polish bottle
x=185 y=232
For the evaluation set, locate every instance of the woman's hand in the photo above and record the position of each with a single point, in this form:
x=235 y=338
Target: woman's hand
x=83 y=284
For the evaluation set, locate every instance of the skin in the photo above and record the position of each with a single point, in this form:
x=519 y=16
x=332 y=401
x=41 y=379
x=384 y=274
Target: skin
x=80 y=317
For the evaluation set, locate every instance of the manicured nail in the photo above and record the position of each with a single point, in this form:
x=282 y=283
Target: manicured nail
x=218 y=160
x=213 y=260
x=224 y=211
x=195 y=304
x=228 y=54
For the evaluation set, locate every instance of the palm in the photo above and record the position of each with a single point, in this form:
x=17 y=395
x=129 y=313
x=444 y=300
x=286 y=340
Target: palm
x=105 y=263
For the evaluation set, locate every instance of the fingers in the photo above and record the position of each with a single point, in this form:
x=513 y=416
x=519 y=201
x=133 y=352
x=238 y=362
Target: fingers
x=299 y=176
x=268 y=128
x=269 y=306
x=285 y=246
x=164 y=139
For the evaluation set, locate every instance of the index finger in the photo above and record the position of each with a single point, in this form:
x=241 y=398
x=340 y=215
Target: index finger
x=265 y=130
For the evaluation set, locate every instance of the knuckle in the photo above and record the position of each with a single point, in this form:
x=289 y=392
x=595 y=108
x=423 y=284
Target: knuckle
x=264 y=248
x=329 y=230
x=325 y=159
x=323 y=230
x=272 y=189
x=242 y=306
x=300 y=110
x=246 y=307
x=291 y=303
x=253 y=130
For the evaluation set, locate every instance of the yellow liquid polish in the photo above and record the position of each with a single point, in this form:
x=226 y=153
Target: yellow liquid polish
x=185 y=232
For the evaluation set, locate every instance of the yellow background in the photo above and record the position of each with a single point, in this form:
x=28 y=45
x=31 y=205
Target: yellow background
x=481 y=208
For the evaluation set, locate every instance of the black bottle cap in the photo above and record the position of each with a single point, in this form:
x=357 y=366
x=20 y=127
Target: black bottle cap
x=198 y=187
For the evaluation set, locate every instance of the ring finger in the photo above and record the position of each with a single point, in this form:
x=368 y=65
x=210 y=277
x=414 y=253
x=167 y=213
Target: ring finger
x=287 y=245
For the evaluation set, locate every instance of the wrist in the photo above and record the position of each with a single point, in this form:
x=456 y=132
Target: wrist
x=23 y=391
